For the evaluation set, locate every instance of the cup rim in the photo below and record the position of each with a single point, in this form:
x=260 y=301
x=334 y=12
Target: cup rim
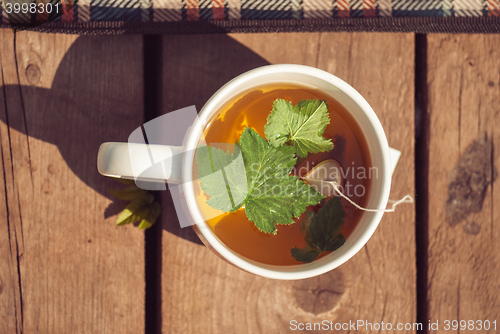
x=291 y=272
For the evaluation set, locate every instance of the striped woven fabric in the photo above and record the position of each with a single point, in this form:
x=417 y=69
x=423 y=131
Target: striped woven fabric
x=228 y=10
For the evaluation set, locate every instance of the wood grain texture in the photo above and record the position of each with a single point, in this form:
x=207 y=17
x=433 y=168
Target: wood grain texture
x=203 y=294
x=464 y=99
x=385 y=268
x=64 y=266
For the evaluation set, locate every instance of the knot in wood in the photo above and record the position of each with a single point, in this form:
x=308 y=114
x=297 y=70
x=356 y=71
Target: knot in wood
x=469 y=180
x=33 y=74
x=320 y=294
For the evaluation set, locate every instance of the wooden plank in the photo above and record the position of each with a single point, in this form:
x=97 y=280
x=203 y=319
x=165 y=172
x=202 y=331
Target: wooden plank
x=203 y=294
x=65 y=267
x=464 y=260
x=385 y=268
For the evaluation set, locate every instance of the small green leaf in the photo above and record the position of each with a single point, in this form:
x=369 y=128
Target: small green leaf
x=126 y=217
x=302 y=126
x=323 y=233
x=134 y=211
x=151 y=217
x=139 y=203
x=129 y=193
x=141 y=208
x=145 y=224
x=326 y=225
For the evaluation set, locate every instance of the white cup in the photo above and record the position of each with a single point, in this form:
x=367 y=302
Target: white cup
x=113 y=156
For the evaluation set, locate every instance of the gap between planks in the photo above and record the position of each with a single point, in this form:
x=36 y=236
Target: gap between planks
x=421 y=178
x=153 y=236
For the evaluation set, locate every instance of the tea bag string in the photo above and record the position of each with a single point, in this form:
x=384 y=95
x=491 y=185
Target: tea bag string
x=406 y=199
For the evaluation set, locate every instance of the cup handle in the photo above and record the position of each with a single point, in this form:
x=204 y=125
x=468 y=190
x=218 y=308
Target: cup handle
x=153 y=163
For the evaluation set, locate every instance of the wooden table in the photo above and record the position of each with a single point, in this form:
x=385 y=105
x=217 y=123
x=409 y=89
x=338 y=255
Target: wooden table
x=66 y=268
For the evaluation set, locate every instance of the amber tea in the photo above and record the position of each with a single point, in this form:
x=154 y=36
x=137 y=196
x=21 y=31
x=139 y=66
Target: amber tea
x=251 y=110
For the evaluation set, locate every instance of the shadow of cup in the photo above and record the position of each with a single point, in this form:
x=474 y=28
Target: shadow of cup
x=89 y=103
